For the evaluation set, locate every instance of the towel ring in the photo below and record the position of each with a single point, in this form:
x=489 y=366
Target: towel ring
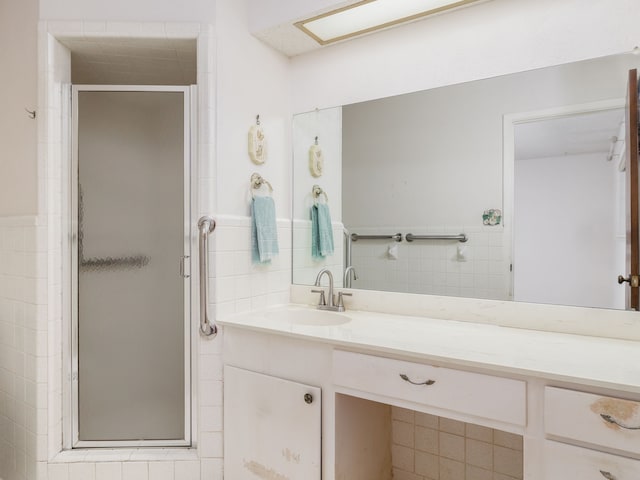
x=316 y=191
x=257 y=182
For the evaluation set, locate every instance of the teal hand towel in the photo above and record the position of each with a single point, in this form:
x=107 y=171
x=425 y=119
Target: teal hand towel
x=264 y=231
x=321 y=231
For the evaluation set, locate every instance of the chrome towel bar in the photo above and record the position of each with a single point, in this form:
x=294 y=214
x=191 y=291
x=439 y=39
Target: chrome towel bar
x=410 y=237
x=397 y=237
x=206 y=226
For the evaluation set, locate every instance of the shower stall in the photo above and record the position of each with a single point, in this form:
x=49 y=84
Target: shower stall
x=130 y=268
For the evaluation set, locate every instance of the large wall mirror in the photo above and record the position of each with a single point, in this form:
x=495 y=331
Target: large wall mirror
x=528 y=168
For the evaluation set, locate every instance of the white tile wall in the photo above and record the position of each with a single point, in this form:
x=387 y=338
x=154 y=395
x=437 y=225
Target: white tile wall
x=433 y=266
x=236 y=284
x=426 y=447
x=22 y=344
x=55 y=60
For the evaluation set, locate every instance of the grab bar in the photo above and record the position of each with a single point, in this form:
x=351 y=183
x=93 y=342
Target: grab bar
x=397 y=237
x=410 y=237
x=347 y=256
x=206 y=226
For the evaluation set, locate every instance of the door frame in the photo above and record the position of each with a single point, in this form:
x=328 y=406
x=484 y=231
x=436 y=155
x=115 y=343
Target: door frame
x=71 y=430
x=508 y=155
x=632 y=300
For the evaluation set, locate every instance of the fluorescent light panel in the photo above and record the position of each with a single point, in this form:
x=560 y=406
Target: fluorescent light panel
x=370 y=15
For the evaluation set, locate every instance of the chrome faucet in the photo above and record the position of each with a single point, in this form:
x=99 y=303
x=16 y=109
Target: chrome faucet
x=328 y=302
x=347 y=277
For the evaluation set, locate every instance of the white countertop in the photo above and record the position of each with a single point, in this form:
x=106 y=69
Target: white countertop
x=586 y=360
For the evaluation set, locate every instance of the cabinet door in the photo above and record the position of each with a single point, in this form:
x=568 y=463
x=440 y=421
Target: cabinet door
x=272 y=427
x=566 y=462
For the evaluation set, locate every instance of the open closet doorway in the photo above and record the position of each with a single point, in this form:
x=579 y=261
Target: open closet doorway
x=569 y=208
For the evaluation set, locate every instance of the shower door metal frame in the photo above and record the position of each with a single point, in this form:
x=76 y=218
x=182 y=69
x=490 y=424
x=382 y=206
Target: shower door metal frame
x=189 y=136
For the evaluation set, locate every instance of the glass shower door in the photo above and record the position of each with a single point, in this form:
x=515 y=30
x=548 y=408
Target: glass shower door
x=131 y=336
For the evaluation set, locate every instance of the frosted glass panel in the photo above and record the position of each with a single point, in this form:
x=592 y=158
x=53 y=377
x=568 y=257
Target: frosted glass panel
x=131 y=236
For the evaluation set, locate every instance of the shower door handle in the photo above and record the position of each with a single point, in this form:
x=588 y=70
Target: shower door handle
x=183 y=259
x=206 y=226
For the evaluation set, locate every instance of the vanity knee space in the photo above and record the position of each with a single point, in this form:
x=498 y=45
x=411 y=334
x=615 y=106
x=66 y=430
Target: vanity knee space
x=399 y=419
x=470 y=394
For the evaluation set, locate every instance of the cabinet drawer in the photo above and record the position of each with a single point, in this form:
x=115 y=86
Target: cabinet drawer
x=566 y=462
x=588 y=418
x=475 y=394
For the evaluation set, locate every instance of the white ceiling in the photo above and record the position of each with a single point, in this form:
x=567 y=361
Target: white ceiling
x=127 y=61
x=571 y=135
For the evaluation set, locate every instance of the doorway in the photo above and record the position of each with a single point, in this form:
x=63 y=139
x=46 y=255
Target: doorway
x=564 y=197
x=131 y=245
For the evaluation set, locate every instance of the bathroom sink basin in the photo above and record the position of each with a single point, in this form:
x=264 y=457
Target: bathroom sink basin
x=301 y=316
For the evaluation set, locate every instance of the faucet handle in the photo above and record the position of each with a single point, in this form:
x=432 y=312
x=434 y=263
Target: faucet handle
x=341 y=300
x=322 y=301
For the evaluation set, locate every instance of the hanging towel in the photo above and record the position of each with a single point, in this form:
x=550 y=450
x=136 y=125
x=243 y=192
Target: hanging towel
x=264 y=232
x=321 y=231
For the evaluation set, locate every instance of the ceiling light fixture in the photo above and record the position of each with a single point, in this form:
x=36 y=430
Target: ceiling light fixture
x=370 y=15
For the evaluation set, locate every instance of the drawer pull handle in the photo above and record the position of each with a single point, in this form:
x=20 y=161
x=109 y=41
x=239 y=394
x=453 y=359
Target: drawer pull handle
x=610 y=419
x=607 y=475
x=407 y=379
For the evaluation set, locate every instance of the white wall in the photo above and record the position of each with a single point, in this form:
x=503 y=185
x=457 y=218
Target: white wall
x=327 y=126
x=18 y=67
x=126 y=10
x=23 y=258
x=252 y=79
x=565 y=231
x=485 y=40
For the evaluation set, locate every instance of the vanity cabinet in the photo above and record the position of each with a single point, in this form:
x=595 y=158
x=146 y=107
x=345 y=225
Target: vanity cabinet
x=601 y=421
x=574 y=419
x=567 y=461
x=272 y=427
x=604 y=424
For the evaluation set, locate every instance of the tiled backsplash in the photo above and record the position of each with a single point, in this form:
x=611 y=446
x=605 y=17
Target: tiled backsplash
x=236 y=284
x=426 y=447
x=434 y=266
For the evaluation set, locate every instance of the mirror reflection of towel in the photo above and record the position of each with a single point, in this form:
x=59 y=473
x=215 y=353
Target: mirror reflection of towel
x=264 y=231
x=321 y=231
